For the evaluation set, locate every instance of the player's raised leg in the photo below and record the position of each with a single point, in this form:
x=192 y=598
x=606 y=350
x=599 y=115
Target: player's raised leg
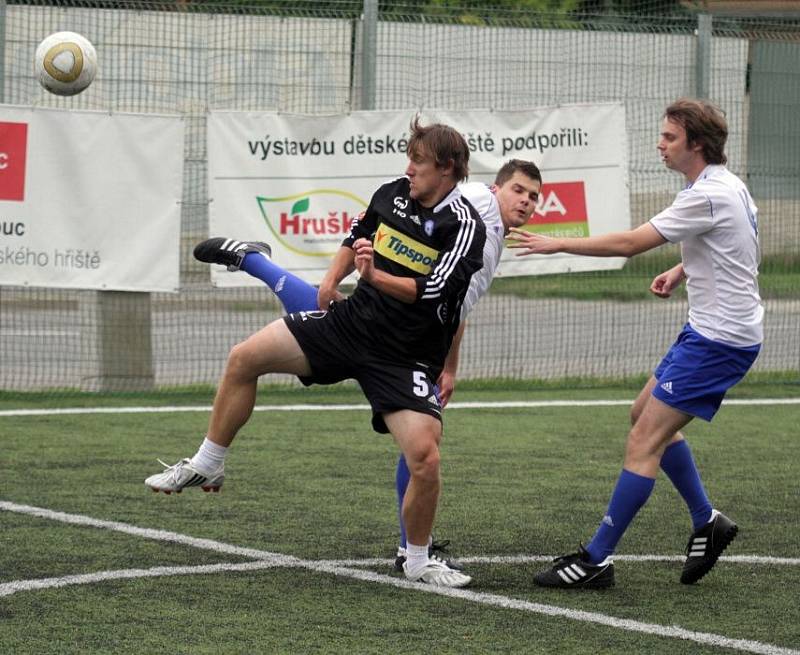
x=255 y=259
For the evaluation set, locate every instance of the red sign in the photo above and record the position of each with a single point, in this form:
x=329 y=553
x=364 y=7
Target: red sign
x=13 y=150
x=560 y=202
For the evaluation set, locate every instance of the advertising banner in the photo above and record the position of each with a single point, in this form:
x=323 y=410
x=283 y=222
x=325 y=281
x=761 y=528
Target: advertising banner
x=90 y=200
x=297 y=182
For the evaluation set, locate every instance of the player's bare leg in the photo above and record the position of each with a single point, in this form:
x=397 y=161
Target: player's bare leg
x=642 y=399
x=418 y=436
x=712 y=531
x=271 y=350
x=653 y=431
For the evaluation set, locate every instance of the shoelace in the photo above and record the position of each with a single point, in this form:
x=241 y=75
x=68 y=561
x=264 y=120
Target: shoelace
x=562 y=559
x=439 y=547
x=438 y=552
x=171 y=467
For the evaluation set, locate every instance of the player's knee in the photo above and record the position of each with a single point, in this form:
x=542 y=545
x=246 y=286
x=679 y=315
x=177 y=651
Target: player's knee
x=425 y=464
x=640 y=443
x=239 y=364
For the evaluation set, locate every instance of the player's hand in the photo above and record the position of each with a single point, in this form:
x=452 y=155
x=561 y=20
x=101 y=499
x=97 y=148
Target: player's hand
x=665 y=283
x=446 y=384
x=364 y=261
x=530 y=243
x=326 y=295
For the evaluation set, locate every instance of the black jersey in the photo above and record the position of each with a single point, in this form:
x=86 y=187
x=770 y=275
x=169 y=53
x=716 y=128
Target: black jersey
x=441 y=247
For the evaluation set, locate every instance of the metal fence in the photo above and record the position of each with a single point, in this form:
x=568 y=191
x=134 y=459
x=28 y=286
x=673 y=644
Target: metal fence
x=331 y=58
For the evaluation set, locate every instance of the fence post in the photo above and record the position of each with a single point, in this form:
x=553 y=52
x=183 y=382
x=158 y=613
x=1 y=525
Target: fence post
x=703 y=62
x=125 y=341
x=369 y=44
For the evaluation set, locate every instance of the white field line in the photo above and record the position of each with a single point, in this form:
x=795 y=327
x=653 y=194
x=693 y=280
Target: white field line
x=329 y=408
x=15 y=586
x=9 y=588
x=533 y=559
x=148 y=533
x=271 y=560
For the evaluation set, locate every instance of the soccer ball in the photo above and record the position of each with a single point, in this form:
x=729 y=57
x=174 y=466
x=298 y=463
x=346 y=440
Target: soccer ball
x=65 y=63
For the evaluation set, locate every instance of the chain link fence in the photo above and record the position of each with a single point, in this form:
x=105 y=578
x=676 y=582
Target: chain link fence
x=333 y=57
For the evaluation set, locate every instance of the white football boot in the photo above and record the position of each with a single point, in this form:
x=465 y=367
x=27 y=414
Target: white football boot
x=184 y=474
x=437 y=573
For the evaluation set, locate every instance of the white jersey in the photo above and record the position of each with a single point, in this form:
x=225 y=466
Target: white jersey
x=483 y=200
x=715 y=221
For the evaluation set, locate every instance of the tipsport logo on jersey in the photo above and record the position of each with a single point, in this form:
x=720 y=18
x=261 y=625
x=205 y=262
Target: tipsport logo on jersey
x=311 y=223
x=404 y=250
x=561 y=211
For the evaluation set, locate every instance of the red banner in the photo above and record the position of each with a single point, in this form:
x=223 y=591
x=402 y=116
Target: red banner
x=560 y=202
x=13 y=151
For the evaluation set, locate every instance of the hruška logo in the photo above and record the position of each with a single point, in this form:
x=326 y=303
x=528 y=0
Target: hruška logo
x=311 y=223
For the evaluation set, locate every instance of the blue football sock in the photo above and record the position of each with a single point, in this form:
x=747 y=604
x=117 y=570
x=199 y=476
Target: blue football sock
x=678 y=463
x=631 y=492
x=295 y=294
x=401 y=480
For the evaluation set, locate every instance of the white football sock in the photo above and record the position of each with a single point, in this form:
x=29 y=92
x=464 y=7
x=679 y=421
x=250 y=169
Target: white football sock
x=209 y=458
x=416 y=556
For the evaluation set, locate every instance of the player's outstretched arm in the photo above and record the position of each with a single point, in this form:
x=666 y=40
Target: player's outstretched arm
x=618 y=244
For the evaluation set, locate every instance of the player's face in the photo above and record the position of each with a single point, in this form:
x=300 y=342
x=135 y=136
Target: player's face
x=517 y=198
x=675 y=150
x=427 y=179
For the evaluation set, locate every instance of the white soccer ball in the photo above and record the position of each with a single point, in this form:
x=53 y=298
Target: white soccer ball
x=66 y=63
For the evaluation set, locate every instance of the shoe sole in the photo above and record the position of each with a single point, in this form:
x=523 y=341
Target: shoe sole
x=155 y=490
x=690 y=577
x=592 y=586
x=398 y=565
x=443 y=586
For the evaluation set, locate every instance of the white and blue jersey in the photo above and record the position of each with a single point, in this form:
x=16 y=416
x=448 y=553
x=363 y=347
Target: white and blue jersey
x=484 y=201
x=715 y=221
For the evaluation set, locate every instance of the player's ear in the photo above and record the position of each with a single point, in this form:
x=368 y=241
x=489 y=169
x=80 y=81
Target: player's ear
x=448 y=168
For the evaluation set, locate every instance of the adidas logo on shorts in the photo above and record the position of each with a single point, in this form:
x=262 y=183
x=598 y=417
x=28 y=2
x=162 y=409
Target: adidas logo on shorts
x=667 y=386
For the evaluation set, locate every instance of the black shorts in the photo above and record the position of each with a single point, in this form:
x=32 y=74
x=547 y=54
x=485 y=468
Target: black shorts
x=335 y=353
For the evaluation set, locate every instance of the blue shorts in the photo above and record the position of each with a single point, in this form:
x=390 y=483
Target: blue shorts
x=696 y=372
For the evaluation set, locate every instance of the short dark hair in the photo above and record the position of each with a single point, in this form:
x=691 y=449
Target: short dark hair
x=705 y=125
x=508 y=169
x=445 y=144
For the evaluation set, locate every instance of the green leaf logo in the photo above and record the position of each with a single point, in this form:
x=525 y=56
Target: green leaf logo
x=300 y=206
